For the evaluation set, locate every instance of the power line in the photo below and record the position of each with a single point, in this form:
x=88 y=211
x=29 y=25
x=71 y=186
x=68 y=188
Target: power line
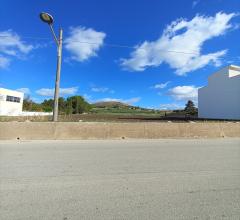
x=111 y=45
x=105 y=44
x=34 y=38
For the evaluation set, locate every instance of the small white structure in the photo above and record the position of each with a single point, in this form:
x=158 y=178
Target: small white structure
x=220 y=99
x=11 y=102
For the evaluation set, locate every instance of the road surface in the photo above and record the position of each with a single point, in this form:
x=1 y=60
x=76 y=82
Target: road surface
x=127 y=179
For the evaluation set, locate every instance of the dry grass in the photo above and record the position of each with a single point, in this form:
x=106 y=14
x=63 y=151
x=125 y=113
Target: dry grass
x=82 y=117
x=112 y=117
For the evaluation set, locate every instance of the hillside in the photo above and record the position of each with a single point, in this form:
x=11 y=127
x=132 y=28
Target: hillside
x=111 y=104
x=120 y=108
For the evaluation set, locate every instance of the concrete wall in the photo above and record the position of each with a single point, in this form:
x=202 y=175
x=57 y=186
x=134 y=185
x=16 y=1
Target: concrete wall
x=10 y=108
x=35 y=113
x=220 y=99
x=75 y=130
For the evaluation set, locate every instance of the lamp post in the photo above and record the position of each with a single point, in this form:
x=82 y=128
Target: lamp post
x=47 y=18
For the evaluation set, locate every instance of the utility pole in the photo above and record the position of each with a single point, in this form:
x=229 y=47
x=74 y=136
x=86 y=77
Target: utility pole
x=47 y=18
x=57 y=82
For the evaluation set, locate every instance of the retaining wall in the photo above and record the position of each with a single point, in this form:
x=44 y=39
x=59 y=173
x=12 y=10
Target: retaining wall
x=90 y=130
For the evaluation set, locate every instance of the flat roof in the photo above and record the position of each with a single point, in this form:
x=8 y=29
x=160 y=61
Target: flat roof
x=233 y=67
x=11 y=91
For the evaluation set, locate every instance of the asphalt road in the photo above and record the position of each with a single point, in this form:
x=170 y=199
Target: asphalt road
x=128 y=179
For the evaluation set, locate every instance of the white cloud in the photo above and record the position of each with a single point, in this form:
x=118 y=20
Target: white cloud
x=161 y=85
x=181 y=44
x=102 y=89
x=62 y=92
x=4 y=62
x=83 y=43
x=24 y=90
x=184 y=93
x=36 y=100
x=87 y=97
x=171 y=106
x=99 y=89
x=11 y=45
x=127 y=101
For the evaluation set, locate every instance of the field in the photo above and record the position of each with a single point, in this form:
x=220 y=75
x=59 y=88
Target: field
x=90 y=117
x=112 y=112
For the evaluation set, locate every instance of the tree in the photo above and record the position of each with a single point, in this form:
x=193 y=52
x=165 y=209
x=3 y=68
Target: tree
x=71 y=105
x=29 y=105
x=47 y=105
x=62 y=105
x=190 y=108
x=77 y=105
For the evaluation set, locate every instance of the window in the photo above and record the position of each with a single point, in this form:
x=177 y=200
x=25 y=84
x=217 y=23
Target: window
x=16 y=99
x=12 y=99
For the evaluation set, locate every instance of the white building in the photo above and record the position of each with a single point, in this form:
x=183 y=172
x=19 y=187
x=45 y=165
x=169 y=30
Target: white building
x=11 y=102
x=220 y=99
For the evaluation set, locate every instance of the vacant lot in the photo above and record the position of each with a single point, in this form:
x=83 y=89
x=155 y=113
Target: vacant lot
x=91 y=117
x=110 y=117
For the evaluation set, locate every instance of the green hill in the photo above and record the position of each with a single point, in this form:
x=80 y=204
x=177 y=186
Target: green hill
x=111 y=104
x=120 y=108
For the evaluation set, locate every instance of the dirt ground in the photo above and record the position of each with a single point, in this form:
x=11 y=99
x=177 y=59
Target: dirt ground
x=108 y=118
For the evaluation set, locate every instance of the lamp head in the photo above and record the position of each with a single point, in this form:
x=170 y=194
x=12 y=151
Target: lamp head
x=47 y=18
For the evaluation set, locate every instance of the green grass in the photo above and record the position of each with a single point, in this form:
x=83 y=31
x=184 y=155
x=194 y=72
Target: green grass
x=129 y=111
x=97 y=114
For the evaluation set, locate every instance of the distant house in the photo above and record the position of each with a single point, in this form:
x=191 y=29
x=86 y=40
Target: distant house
x=220 y=99
x=11 y=102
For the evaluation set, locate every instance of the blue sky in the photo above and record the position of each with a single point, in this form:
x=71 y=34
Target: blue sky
x=147 y=53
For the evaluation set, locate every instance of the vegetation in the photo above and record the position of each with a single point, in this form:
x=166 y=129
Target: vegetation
x=190 y=108
x=71 y=105
x=121 y=108
x=77 y=105
x=29 y=105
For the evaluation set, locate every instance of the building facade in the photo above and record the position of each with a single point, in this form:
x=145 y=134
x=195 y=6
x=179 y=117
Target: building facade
x=220 y=99
x=11 y=102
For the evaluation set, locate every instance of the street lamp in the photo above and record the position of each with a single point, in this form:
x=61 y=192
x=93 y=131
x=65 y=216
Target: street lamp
x=47 y=18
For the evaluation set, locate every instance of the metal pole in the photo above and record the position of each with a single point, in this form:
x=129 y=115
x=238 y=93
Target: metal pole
x=57 y=82
x=54 y=35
